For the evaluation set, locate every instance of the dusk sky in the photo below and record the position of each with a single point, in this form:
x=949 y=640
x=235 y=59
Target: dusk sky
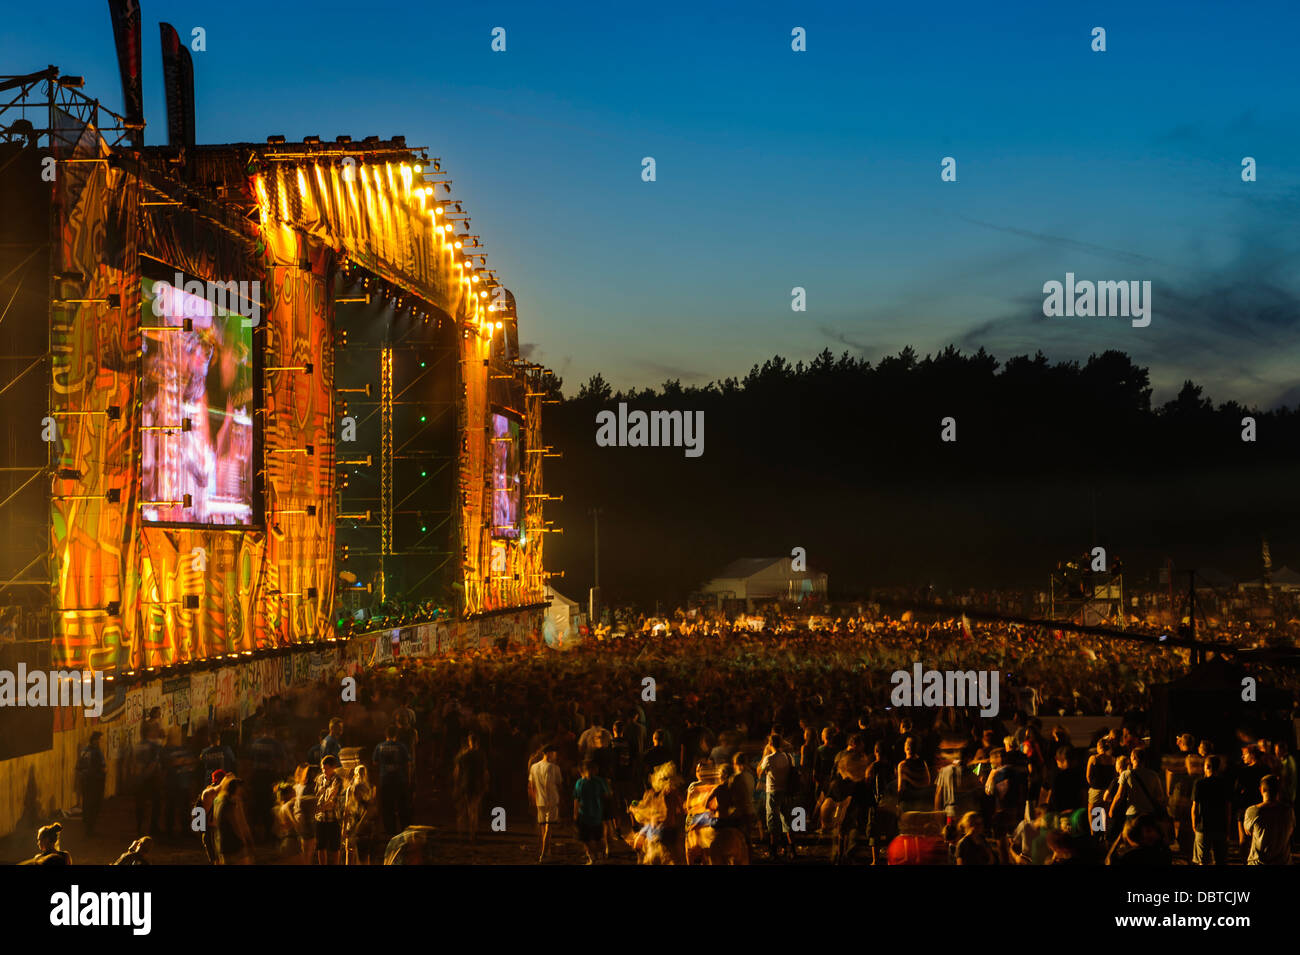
x=818 y=169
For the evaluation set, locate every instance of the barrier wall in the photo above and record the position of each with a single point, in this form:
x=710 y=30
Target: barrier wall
x=520 y=628
x=35 y=787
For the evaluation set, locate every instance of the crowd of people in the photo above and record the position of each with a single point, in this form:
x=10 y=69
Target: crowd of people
x=775 y=743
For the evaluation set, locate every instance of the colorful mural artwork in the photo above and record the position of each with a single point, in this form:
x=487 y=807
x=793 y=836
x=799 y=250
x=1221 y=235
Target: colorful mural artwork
x=182 y=540
x=131 y=593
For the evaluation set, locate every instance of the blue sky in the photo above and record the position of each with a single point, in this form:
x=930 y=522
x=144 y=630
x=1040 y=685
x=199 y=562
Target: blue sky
x=817 y=169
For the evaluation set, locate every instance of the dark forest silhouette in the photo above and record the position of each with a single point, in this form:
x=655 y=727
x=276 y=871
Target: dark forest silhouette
x=844 y=458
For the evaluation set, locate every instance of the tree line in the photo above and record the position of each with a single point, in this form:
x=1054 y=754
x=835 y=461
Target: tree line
x=848 y=454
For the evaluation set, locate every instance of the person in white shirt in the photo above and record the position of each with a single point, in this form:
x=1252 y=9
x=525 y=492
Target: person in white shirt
x=1140 y=787
x=780 y=774
x=544 y=778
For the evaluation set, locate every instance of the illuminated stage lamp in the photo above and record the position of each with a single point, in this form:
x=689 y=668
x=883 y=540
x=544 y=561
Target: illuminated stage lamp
x=498 y=326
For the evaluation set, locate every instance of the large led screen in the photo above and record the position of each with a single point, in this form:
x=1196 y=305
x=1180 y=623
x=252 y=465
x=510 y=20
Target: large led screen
x=197 y=412
x=506 y=478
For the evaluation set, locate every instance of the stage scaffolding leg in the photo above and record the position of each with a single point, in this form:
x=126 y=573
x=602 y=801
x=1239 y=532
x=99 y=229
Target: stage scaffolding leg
x=385 y=468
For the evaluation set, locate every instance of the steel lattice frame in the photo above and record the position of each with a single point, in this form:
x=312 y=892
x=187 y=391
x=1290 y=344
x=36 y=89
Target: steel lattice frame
x=385 y=467
x=24 y=96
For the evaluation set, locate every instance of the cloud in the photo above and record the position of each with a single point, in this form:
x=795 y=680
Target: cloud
x=1121 y=255
x=669 y=372
x=1290 y=398
x=1182 y=133
x=1236 y=332
x=843 y=339
x=531 y=351
x=1233 y=326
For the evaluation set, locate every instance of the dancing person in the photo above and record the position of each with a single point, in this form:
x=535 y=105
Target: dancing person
x=234 y=840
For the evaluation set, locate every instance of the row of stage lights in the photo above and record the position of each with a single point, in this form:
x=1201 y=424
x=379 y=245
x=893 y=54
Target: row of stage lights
x=412 y=175
x=399 y=298
x=446 y=227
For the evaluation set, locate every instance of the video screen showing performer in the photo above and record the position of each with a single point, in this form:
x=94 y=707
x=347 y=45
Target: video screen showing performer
x=506 y=478
x=197 y=409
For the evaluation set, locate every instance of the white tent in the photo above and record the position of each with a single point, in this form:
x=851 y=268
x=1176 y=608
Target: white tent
x=560 y=628
x=764 y=579
x=1285 y=579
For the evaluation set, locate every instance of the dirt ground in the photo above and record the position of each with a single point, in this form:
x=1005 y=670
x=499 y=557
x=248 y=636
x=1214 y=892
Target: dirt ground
x=515 y=846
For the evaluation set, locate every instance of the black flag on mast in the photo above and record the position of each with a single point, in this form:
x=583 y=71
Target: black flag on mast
x=126 y=33
x=178 y=83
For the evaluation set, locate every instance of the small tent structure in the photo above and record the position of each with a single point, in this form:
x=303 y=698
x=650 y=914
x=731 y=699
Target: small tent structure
x=560 y=628
x=758 y=580
x=1286 y=580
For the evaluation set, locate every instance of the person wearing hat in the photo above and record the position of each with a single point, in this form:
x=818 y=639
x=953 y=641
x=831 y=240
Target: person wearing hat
x=329 y=805
x=91 y=771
